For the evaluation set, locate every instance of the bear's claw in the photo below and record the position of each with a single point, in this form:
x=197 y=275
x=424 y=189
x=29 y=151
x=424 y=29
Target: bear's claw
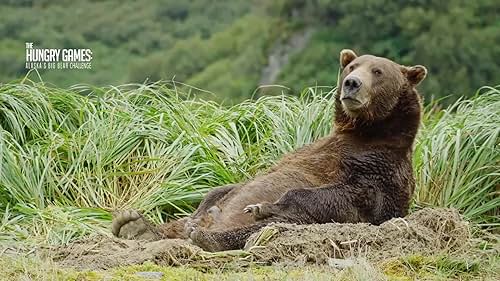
x=254 y=209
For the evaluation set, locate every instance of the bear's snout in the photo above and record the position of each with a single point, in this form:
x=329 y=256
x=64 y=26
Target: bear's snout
x=351 y=86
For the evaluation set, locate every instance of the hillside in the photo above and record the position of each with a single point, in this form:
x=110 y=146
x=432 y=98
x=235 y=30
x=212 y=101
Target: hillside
x=230 y=47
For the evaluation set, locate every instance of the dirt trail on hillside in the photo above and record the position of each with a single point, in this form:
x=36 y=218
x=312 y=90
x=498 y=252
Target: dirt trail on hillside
x=428 y=231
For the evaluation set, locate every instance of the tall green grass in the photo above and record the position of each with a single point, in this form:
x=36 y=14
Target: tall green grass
x=457 y=158
x=70 y=157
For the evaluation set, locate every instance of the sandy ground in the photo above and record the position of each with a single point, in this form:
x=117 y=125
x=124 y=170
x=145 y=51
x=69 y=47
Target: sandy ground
x=427 y=231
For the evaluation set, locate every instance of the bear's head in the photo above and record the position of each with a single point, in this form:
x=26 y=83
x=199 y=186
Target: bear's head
x=370 y=87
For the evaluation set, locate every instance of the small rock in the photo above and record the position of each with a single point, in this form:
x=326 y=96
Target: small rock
x=340 y=263
x=150 y=274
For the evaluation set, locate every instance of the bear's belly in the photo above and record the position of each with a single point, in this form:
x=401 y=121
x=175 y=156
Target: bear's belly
x=268 y=188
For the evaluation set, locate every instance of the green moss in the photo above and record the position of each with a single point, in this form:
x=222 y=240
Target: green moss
x=401 y=269
x=431 y=268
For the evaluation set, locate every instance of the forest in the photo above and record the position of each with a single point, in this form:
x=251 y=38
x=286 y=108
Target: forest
x=230 y=48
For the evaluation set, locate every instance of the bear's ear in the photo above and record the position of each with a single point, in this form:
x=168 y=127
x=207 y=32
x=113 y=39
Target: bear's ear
x=415 y=74
x=346 y=56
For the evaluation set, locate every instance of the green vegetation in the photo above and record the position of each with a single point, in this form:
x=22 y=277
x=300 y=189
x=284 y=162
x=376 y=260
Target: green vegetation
x=452 y=38
x=223 y=46
x=457 y=158
x=70 y=157
x=441 y=268
x=402 y=269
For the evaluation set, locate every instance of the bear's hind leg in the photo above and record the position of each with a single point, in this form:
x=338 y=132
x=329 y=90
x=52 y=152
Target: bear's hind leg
x=131 y=224
x=233 y=239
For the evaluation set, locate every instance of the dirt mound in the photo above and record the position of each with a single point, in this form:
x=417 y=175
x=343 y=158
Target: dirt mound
x=104 y=252
x=427 y=231
x=424 y=232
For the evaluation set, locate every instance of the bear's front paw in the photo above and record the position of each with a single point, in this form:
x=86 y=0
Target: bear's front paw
x=258 y=211
x=252 y=208
x=130 y=224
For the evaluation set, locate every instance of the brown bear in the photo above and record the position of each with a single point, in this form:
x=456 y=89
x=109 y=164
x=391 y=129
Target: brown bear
x=361 y=172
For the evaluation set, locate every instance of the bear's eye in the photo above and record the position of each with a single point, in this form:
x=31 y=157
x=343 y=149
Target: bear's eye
x=377 y=71
x=351 y=68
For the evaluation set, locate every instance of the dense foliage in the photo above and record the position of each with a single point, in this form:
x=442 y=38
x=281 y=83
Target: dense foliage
x=70 y=157
x=223 y=46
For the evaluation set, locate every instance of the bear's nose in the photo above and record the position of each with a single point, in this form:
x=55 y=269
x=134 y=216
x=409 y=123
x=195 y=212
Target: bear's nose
x=352 y=85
